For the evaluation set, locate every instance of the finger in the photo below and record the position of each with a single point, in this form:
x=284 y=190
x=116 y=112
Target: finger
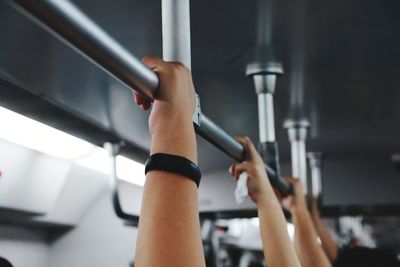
x=239 y=168
x=153 y=62
x=244 y=140
x=142 y=102
x=293 y=181
x=232 y=171
x=247 y=143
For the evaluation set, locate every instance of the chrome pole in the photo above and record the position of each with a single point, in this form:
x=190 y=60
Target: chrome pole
x=315 y=162
x=297 y=131
x=176 y=31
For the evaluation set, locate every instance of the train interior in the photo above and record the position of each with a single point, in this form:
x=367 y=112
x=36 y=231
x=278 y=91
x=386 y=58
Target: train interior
x=67 y=200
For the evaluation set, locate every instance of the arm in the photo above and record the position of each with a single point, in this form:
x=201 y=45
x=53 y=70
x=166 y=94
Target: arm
x=169 y=227
x=328 y=243
x=278 y=249
x=308 y=249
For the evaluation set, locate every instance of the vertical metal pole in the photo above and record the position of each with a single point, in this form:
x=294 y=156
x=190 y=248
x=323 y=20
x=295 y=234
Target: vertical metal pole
x=264 y=76
x=297 y=131
x=315 y=161
x=266 y=121
x=176 y=31
x=176 y=40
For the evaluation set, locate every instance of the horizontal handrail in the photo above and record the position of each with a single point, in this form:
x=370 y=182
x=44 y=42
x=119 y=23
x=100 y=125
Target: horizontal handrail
x=71 y=25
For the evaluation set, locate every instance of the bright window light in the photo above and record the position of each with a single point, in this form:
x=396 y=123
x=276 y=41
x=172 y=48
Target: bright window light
x=127 y=170
x=37 y=136
x=26 y=132
x=130 y=171
x=98 y=161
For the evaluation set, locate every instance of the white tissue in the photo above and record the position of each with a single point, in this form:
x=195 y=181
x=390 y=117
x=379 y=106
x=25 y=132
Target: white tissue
x=241 y=191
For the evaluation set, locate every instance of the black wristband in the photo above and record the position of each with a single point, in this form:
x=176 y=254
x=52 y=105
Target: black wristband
x=173 y=164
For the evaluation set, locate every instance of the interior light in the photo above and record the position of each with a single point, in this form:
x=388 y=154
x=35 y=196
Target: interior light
x=35 y=135
x=97 y=160
x=127 y=170
x=27 y=132
x=130 y=171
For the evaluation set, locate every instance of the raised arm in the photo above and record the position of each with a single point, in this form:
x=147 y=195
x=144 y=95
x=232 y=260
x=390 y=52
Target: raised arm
x=328 y=243
x=306 y=239
x=278 y=249
x=169 y=227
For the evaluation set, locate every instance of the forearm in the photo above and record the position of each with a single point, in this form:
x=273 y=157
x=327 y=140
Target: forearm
x=310 y=252
x=328 y=243
x=169 y=228
x=278 y=249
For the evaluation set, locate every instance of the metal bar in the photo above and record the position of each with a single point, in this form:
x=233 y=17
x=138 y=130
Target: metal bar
x=67 y=21
x=216 y=136
x=71 y=25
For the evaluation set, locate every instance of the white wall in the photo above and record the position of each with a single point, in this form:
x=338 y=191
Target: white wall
x=30 y=181
x=100 y=240
x=23 y=247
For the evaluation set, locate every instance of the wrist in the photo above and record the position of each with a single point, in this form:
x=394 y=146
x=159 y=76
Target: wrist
x=266 y=201
x=299 y=207
x=177 y=140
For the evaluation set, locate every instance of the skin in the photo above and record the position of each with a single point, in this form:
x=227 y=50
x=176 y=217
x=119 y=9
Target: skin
x=327 y=241
x=278 y=249
x=169 y=228
x=310 y=252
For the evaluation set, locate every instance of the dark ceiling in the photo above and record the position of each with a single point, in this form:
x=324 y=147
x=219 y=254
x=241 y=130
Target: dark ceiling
x=344 y=55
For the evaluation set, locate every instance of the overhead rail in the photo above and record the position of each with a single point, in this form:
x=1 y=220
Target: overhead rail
x=68 y=22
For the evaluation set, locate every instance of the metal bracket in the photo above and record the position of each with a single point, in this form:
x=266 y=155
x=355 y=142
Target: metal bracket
x=264 y=76
x=197 y=112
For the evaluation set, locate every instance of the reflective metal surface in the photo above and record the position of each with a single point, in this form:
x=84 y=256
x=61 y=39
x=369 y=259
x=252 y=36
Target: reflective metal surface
x=266 y=118
x=350 y=75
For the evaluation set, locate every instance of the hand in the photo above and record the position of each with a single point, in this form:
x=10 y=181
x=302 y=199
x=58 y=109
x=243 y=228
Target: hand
x=257 y=182
x=175 y=99
x=297 y=200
